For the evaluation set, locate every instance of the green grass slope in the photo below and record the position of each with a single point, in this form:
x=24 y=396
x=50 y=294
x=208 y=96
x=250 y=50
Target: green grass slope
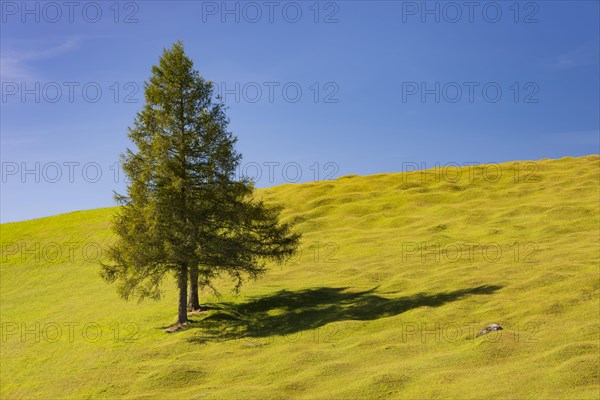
x=397 y=273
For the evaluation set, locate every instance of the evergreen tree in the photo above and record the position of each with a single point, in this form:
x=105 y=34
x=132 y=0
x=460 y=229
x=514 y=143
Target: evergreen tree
x=185 y=214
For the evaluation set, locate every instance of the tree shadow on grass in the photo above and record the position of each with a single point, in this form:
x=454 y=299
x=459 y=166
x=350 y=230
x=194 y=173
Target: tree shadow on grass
x=288 y=312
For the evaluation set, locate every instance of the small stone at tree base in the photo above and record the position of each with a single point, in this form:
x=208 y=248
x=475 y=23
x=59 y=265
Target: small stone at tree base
x=489 y=328
x=175 y=328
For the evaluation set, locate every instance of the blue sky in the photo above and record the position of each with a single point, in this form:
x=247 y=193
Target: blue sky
x=315 y=90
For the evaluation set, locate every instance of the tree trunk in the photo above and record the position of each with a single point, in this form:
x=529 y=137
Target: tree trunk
x=182 y=283
x=193 y=300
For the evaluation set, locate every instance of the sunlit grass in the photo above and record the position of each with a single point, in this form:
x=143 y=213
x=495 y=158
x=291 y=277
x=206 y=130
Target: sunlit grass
x=380 y=303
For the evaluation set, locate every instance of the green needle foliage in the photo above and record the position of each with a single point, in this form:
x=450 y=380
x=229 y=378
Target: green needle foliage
x=185 y=214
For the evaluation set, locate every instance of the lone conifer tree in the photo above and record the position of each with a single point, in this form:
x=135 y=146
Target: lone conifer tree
x=185 y=213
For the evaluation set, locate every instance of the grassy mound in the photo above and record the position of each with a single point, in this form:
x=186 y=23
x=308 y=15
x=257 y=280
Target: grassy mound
x=396 y=275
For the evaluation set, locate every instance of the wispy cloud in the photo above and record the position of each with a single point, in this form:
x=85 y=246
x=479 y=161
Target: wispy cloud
x=15 y=63
x=583 y=55
x=17 y=142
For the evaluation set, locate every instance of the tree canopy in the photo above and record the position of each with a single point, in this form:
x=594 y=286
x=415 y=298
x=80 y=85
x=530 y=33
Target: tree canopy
x=185 y=213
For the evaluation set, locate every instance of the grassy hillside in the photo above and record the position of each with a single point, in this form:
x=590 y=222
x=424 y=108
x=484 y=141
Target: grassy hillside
x=397 y=274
